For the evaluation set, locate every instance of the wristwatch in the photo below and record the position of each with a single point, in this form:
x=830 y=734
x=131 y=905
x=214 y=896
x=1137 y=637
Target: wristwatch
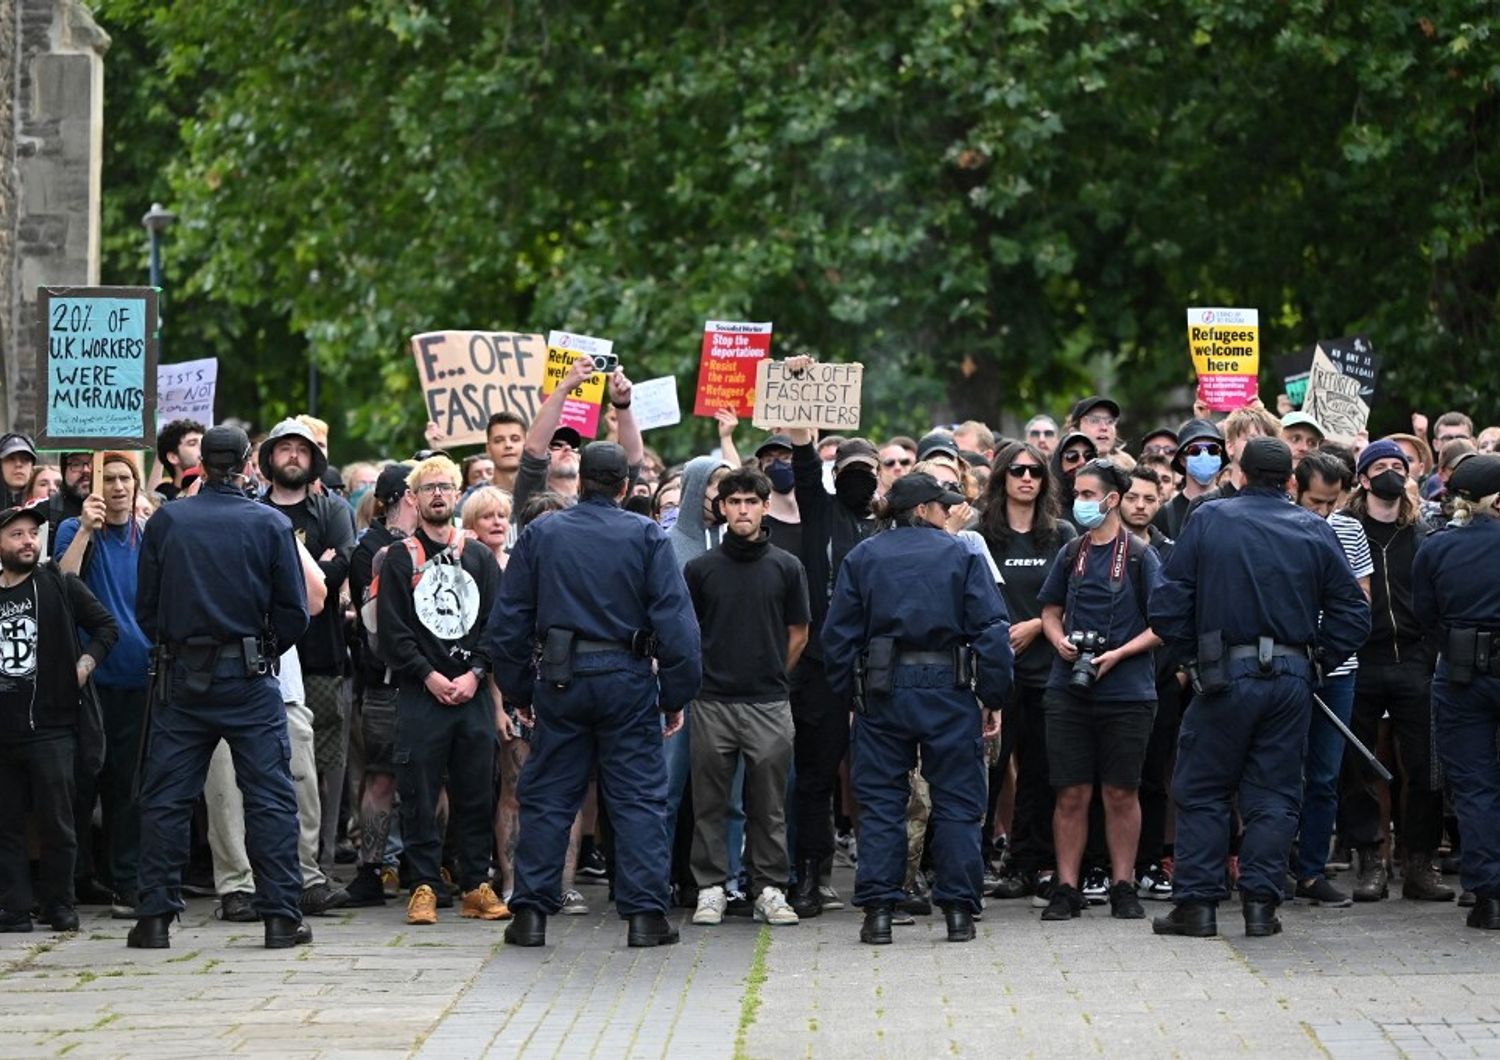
x=478 y=672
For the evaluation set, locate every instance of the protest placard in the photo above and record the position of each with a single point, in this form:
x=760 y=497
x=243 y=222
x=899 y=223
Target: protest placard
x=654 y=403
x=186 y=391
x=1294 y=370
x=468 y=376
x=726 y=370
x=1225 y=346
x=1356 y=358
x=581 y=409
x=98 y=348
x=1333 y=399
x=821 y=397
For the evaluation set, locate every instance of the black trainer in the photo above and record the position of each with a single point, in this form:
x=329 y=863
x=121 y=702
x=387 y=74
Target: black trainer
x=284 y=932
x=916 y=904
x=366 y=890
x=1124 y=903
x=1319 y=891
x=238 y=907
x=1065 y=904
x=318 y=899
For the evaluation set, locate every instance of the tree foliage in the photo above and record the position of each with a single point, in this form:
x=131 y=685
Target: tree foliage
x=995 y=204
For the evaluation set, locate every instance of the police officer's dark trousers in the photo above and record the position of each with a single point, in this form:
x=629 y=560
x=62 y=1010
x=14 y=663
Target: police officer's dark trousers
x=434 y=741
x=608 y=712
x=1248 y=739
x=923 y=711
x=248 y=713
x=1467 y=720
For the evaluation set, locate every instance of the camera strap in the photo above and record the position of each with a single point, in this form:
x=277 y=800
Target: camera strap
x=1119 y=558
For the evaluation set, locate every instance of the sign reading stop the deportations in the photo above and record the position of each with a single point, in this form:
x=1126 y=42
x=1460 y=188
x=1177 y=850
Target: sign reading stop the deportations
x=726 y=370
x=1225 y=344
x=819 y=397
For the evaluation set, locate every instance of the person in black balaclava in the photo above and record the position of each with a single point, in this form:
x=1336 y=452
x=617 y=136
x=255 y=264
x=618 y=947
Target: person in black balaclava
x=784 y=521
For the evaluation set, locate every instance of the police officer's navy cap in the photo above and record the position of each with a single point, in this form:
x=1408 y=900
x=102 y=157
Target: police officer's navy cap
x=1477 y=476
x=1197 y=431
x=856 y=451
x=224 y=448
x=937 y=443
x=13 y=443
x=604 y=461
x=1380 y=449
x=1269 y=455
x=290 y=428
x=569 y=435
x=908 y=491
x=1089 y=404
x=27 y=511
x=391 y=483
x=775 y=441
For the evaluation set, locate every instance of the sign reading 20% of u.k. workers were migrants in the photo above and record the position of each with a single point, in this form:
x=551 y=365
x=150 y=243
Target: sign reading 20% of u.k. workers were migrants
x=97 y=351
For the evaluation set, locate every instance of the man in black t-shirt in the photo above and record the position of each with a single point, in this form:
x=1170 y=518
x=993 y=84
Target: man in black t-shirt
x=752 y=606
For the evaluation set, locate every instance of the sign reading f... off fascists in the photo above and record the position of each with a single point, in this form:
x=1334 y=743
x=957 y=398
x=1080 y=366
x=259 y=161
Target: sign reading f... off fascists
x=820 y=397
x=1225 y=344
x=726 y=369
x=98 y=360
x=468 y=376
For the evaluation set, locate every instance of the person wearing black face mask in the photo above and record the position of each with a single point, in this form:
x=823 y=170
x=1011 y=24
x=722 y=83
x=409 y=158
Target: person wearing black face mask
x=783 y=521
x=1394 y=677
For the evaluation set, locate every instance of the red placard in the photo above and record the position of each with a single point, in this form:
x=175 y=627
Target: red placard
x=726 y=370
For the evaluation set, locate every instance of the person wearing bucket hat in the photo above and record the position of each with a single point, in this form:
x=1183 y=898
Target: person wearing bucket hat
x=918 y=665
x=291 y=460
x=1199 y=458
x=1456 y=595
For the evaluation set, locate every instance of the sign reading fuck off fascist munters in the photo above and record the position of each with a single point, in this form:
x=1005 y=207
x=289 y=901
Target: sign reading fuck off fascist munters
x=1225 y=345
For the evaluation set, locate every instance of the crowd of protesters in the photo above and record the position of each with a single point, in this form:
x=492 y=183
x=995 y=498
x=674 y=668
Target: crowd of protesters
x=397 y=797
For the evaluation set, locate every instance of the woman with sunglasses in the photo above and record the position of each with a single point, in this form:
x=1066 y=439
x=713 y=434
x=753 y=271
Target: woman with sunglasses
x=1020 y=525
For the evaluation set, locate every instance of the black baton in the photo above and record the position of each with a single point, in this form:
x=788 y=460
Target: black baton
x=1368 y=755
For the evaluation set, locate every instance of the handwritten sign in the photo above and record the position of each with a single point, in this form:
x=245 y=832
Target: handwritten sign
x=822 y=397
x=726 y=370
x=98 y=359
x=1225 y=346
x=186 y=391
x=581 y=408
x=468 y=376
x=1356 y=358
x=654 y=403
x=1333 y=399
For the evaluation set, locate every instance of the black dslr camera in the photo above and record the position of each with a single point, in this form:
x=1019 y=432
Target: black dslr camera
x=1085 y=671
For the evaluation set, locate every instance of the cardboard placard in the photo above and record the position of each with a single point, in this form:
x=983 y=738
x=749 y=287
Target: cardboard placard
x=98 y=350
x=1225 y=346
x=822 y=397
x=726 y=370
x=1356 y=358
x=581 y=409
x=186 y=391
x=468 y=376
x=1333 y=400
x=654 y=403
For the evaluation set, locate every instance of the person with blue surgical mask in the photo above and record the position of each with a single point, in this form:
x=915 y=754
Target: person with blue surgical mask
x=1200 y=457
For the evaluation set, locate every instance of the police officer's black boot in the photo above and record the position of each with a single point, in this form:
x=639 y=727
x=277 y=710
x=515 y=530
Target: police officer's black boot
x=1261 y=920
x=806 y=902
x=960 y=924
x=1485 y=914
x=650 y=929
x=528 y=927
x=876 y=930
x=1198 y=920
x=150 y=933
x=284 y=932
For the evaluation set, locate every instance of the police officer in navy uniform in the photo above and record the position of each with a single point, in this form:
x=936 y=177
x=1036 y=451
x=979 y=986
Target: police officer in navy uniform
x=1456 y=595
x=221 y=590
x=916 y=615
x=1240 y=599
x=599 y=591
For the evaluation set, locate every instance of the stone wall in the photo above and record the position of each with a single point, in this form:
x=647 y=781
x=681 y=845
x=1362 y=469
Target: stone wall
x=58 y=125
x=8 y=29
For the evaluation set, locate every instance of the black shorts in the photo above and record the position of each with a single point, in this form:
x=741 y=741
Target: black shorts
x=378 y=726
x=1096 y=741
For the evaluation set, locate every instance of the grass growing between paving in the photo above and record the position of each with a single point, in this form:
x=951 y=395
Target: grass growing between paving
x=750 y=1006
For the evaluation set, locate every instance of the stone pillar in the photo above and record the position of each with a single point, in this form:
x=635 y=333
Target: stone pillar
x=58 y=127
x=9 y=26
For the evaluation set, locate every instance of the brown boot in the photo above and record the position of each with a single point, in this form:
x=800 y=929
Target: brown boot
x=1420 y=880
x=1373 y=883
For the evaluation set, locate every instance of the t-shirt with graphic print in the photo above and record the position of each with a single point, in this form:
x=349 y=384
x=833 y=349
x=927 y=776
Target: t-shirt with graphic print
x=18 y=626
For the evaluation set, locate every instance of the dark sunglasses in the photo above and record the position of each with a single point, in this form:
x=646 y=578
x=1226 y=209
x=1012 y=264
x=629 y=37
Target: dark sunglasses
x=897 y=463
x=1204 y=448
x=1025 y=471
x=1073 y=456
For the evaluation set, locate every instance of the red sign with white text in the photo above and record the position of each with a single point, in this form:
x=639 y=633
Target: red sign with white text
x=726 y=371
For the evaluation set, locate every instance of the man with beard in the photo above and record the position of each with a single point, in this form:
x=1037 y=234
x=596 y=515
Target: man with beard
x=832 y=524
x=17 y=459
x=177 y=452
x=41 y=672
x=67 y=503
x=291 y=460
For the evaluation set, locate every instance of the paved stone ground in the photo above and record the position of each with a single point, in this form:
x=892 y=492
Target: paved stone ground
x=1393 y=979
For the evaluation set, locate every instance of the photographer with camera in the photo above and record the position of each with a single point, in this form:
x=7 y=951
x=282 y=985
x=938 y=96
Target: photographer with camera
x=1101 y=696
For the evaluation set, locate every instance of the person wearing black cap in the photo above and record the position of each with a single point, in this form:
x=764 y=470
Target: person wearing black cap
x=1253 y=644
x=1199 y=458
x=17 y=458
x=1160 y=442
x=77 y=484
x=375 y=688
x=938 y=445
x=1456 y=582
x=599 y=591
x=783 y=521
x=1073 y=451
x=218 y=635
x=42 y=717
x=917 y=627
x=1099 y=418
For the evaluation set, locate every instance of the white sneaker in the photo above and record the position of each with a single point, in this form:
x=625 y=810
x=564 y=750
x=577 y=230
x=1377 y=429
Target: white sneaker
x=711 y=903
x=771 y=908
x=574 y=904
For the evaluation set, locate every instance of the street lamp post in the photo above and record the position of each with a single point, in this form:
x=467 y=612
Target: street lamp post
x=156 y=221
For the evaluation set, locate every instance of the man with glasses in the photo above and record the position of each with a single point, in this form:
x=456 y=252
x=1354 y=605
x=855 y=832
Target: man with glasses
x=1199 y=458
x=1099 y=418
x=435 y=598
x=1160 y=442
x=1041 y=431
x=1452 y=427
x=67 y=503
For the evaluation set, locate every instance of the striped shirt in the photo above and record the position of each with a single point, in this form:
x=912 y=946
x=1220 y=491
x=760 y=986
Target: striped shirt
x=1357 y=550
